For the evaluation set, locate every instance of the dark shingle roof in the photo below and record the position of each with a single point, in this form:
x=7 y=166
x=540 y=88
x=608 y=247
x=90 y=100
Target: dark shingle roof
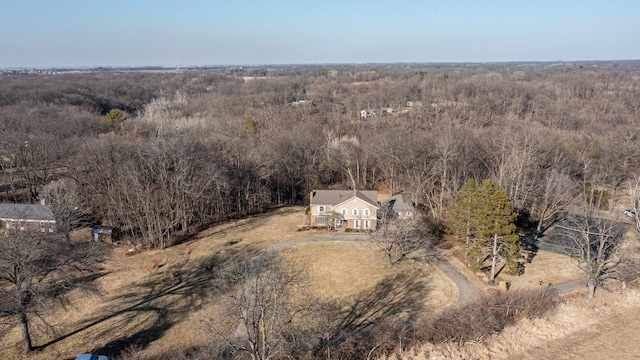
x=26 y=212
x=334 y=197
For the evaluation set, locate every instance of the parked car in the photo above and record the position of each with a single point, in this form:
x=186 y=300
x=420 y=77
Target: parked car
x=91 y=357
x=630 y=213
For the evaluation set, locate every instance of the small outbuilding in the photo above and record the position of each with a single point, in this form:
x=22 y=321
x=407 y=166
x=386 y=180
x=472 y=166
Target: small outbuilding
x=101 y=233
x=402 y=207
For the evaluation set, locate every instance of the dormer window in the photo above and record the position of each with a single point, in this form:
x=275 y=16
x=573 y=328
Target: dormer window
x=321 y=208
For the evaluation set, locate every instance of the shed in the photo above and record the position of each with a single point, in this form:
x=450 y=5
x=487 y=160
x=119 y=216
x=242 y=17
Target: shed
x=101 y=233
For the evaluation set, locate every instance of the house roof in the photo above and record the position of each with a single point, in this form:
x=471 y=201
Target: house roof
x=334 y=197
x=31 y=212
x=401 y=202
x=99 y=229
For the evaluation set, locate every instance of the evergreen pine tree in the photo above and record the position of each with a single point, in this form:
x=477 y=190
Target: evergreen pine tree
x=499 y=225
x=483 y=218
x=464 y=216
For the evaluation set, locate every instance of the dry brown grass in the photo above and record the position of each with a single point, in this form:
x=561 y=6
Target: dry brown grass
x=546 y=266
x=605 y=328
x=135 y=304
x=343 y=270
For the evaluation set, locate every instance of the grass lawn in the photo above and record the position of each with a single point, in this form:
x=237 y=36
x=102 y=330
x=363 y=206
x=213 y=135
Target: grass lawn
x=139 y=301
x=548 y=267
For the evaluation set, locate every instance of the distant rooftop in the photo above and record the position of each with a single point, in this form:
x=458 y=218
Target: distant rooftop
x=31 y=212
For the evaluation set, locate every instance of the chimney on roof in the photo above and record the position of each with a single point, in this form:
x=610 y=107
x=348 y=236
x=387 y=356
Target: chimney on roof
x=43 y=201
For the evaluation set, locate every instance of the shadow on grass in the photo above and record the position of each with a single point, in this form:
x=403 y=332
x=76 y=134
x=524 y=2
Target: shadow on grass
x=152 y=307
x=402 y=295
x=252 y=222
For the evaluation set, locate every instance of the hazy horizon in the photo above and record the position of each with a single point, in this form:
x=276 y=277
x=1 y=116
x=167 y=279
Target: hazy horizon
x=72 y=33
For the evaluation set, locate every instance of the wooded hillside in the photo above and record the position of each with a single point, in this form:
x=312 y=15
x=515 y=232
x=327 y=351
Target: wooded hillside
x=196 y=147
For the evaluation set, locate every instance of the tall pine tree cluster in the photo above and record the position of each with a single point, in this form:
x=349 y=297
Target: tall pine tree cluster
x=482 y=218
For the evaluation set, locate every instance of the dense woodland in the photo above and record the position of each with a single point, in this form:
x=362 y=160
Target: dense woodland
x=192 y=148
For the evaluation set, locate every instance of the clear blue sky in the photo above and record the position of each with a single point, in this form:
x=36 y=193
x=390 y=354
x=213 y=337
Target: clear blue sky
x=41 y=33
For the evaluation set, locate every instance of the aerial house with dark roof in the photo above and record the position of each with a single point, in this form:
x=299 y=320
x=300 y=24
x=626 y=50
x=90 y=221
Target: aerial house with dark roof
x=352 y=209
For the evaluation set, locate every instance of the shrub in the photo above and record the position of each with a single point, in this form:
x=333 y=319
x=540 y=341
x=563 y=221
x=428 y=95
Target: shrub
x=488 y=315
x=232 y=242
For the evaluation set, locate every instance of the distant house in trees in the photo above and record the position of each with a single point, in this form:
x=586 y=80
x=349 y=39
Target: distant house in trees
x=34 y=217
x=402 y=207
x=386 y=111
x=416 y=103
x=368 y=113
x=302 y=103
x=337 y=209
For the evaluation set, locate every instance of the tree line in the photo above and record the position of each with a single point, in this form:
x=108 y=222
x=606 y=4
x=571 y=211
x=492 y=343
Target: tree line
x=160 y=155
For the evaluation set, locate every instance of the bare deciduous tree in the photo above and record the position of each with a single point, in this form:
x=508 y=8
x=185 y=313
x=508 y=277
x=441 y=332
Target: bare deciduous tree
x=36 y=269
x=263 y=312
x=556 y=192
x=398 y=238
x=594 y=245
x=634 y=199
x=64 y=199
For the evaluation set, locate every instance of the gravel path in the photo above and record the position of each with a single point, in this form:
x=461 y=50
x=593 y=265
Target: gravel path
x=466 y=291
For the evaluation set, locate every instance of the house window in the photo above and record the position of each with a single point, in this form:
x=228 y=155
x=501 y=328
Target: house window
x=356 y=224
x=42 y=227
x=339 y=223
x=355 y=212
x=322 y=220
x=366 y=224
x=366 y=212
x=343 y=211
x=50 y=227
x=321 y=208
x=21 y=225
